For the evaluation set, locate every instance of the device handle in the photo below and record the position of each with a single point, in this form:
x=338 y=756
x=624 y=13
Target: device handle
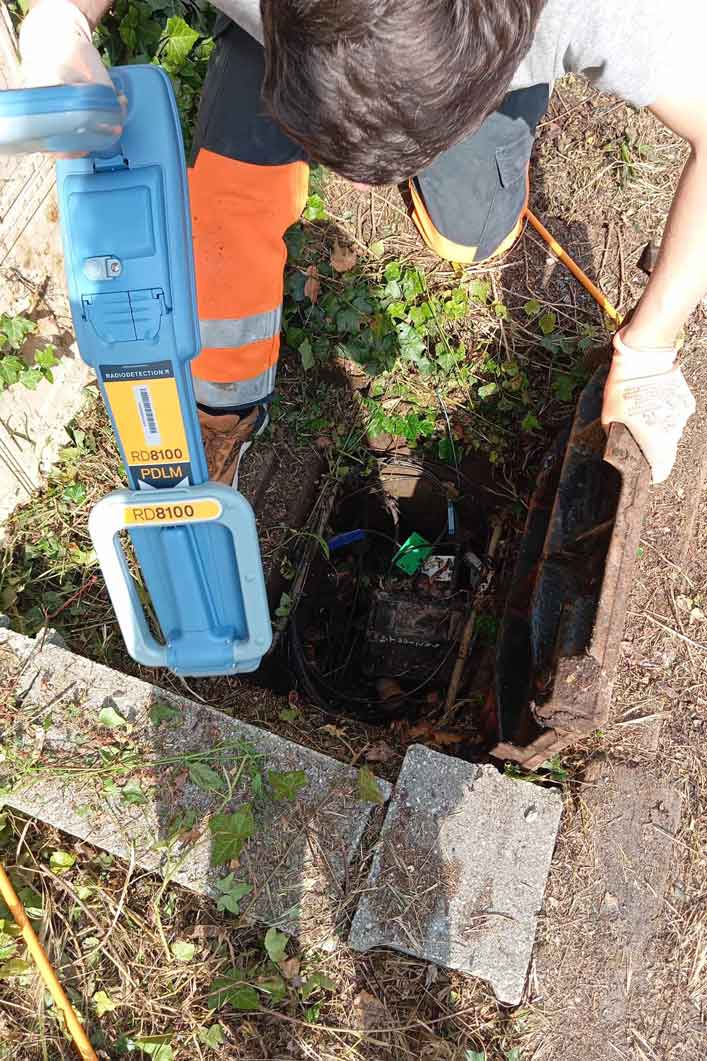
x=106 y=520
x=67 y=119
x=236 y=516
x=230 y=510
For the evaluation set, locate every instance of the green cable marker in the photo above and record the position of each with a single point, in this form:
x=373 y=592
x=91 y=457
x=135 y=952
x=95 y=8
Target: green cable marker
x=412 y=554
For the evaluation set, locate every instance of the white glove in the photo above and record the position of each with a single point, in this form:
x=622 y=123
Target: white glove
x=647 y=392
x=56 y=47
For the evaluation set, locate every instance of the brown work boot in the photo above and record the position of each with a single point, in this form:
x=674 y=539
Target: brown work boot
x=227 y=437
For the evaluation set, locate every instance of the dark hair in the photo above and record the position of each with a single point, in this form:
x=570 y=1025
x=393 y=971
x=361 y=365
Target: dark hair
x=376 y=89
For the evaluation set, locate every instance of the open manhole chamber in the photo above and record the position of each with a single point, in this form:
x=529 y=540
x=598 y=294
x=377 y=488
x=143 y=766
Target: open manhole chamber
x=388 y=593
x=395 y=589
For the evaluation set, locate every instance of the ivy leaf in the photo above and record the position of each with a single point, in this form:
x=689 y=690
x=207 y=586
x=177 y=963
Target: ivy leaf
x=205 y=778
x=397 y=310
x=412 y=345
x=229 y=833
x=158 y=1047
x=289 y=714
x=11 y=368
x=103 y=1003
x=348 y=320
x=487 y=390
x=393 y=271
x=306 y=355
x=31 y=378
x=61 y=861
x=233 y=989
x=275 y=944
x=314 y=982
x=46 y=358
x=530 y=422
x=532 y=308
x=232 y=891
x=183 y=951
x=413 y=284
x=180 y=38
x=548 y=323
x=109 y=717
x=74 y=492
x=212 y=1037
x=160 y=713
x=564 y=387
x=368 y=789
x=132 y=794
x=315 y=210
x=480 y=290
x=287 y=785
x=14 y=330
x=274 y=986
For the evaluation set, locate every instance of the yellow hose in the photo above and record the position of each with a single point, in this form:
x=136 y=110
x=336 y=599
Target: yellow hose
x=562 y=255
x=45 y=968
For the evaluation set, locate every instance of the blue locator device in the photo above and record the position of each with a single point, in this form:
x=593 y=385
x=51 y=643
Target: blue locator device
x=126 y=231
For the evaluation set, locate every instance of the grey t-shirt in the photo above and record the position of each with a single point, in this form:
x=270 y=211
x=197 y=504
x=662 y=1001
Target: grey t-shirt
x=635 y=49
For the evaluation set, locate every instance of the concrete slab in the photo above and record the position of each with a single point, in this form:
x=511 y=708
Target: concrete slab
x=149 y=776
x=460 y=870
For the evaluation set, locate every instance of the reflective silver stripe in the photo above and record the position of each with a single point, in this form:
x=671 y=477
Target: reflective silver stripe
x=232 y=395
x=240 y=331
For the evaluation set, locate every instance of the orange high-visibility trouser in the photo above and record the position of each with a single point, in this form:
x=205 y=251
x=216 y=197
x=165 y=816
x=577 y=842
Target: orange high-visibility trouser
x=248 y=184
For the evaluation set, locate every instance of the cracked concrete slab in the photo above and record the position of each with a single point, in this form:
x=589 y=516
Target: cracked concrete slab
x=460 y=870
x=149 y=776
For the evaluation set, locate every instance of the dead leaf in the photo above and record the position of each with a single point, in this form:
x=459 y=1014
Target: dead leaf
x=206 y=932
x=179 y=780
x=312 y=284
x=192 y=836
x=333 y=731
x=420 y=731
x=380 y=752
x=290 y=968
x=388 y=689
x=368 y=1011
x=342 y=259
x=442 y=737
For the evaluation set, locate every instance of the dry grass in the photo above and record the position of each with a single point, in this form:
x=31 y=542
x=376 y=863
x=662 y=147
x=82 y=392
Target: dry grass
x=100 y=931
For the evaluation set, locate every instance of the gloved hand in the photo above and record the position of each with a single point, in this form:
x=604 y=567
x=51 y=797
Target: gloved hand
x=56 y=47
x=647 y=392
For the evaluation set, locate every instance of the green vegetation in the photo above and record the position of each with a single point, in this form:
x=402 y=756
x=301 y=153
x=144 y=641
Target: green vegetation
x=173 y=34
x=14 y=368
x=449 y=366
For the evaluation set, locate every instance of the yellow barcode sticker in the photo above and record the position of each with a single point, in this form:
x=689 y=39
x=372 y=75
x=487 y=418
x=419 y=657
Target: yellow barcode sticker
x=144 y=402
x=149 y=515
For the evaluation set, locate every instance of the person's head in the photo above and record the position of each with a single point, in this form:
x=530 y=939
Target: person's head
x=376 y=89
